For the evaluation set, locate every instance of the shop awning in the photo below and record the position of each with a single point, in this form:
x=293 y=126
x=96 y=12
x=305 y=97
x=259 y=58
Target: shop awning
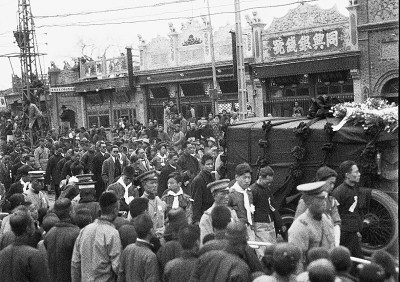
x=337 y=62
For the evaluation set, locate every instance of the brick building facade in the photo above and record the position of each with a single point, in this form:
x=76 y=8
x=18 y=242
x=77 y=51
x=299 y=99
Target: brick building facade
x=178 y=68
x=306 y=53
x=378 y=41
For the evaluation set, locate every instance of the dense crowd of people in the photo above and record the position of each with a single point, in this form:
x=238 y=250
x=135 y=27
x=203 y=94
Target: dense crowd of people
x=152 y=204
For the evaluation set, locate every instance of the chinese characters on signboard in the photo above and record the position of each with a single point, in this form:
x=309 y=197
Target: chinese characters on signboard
x=309 y=42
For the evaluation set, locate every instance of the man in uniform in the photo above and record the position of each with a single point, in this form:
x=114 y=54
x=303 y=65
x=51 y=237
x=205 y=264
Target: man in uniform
x=149 y=182
x=34 y=194
x=313 y=228
x=220 y=192
x=42 y=155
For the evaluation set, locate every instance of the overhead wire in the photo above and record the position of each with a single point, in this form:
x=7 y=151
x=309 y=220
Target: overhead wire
x=167 y=12
x=116 y=10
x=170 y=18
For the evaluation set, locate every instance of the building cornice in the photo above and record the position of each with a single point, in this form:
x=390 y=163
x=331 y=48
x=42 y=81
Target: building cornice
x=306 y=59
x=379 y=25
x=227 y=63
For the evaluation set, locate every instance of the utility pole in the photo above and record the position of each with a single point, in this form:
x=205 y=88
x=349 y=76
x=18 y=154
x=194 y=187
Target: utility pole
x=32 y=86
x=242 y=92
x=214 y=91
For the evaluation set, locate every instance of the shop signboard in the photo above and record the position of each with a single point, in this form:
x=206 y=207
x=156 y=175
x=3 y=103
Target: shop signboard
x=306 y=43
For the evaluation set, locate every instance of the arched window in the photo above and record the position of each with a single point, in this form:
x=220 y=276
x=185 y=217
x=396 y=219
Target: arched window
x=390 y=90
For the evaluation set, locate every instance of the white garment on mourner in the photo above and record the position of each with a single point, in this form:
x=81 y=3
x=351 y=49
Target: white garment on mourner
x=72 y=180
x=175 y=203
x=353 y=206
x=127 y=198
x=163 y=159
x=25 y=184
x=249 y=208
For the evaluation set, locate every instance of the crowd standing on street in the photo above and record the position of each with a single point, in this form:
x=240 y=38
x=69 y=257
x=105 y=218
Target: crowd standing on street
x=151 y=203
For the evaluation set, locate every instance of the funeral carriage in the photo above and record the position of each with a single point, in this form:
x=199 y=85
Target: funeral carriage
x=295 y=147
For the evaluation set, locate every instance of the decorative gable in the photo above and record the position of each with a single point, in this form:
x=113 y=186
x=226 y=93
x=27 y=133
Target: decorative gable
x=306 y=31
x=306 y=16
x=158 y=52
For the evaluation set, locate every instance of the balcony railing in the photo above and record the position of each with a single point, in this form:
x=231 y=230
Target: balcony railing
x=104 y=68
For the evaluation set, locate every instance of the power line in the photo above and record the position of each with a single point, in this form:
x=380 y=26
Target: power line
x=163 y=13
x=6 y=32
x=156 y=14
x=115 y=10
x=165 y=19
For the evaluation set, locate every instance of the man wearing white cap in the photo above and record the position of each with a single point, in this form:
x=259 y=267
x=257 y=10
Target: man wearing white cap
x=34 y=194
x=313 y=228
x=220 y=192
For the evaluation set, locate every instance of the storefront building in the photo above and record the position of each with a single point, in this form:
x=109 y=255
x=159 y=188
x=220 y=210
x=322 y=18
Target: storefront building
x=307 y=53
x=378 y=41
x=178 y=69
x=98 y=93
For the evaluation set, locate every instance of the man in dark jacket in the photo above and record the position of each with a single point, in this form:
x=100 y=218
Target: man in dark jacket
x=167 y=170
x=6 y=172
x=193 y=132
x=65 y=121
x=348 y=195
x=51 y=176
x=266 y=215
x=60 y=165
x=19 y=261
x=151 y=132
x=180 y=269
x=203 y=198
x=66 y=170
x=113 y=166
x=22 y=184
x=28 y=161
x=138 y=262
x=59 y=242
x=17 y=164
x=9 y=130
x=87 y=159
x=220 y=266
x=206 y=130
x=189 y=165
x=87 y=200
x=124 y=188
x=98 y=160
